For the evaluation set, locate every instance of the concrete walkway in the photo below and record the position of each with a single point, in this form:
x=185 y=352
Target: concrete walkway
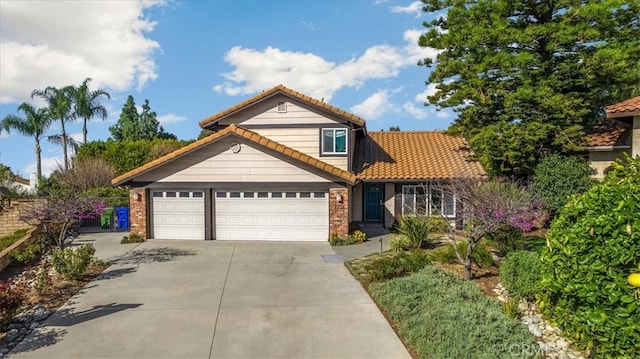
x=208 y=299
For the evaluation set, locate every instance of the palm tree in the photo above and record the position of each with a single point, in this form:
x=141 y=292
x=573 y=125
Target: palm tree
x=59 y=103
x=87 y=104
x=36 y=122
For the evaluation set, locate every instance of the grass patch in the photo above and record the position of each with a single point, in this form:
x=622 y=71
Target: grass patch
x=7 y=241
x=441 y=315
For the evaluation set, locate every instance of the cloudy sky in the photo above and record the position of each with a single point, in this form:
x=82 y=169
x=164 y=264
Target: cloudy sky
x=191 y=59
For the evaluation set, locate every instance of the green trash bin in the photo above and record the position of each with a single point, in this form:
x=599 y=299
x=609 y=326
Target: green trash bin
x=106 y=218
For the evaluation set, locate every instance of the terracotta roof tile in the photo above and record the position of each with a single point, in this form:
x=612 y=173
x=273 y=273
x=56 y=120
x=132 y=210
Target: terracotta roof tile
x=285 y=90
x=244 y=133
x=607 y=133
x=415 y=156
x=626 y=108
x=21 y=180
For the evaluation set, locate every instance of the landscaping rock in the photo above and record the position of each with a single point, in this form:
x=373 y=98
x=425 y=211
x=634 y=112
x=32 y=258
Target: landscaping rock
x=552 y=343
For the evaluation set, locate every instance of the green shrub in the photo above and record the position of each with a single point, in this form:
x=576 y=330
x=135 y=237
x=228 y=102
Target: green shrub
x=336 y=240
x=437 y=224
x=71 y=263
x=358 y=236
x=399 y=243
x=519 y=273
x=441 y=315
x=594 y=244
x=557 y=178
x=445 y=254
x=510 y=308
x=507 y=238
x=132 y=238
x=397 y=265
x=29 y=252
x=414 y=227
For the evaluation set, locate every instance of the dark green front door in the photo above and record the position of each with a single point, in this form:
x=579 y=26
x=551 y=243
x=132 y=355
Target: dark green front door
x=373 y=202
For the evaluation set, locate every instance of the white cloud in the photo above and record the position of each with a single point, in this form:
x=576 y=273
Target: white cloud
x=375 y=106
x=171 y=118
x=256 y=70
x=76 y=137
x=60 y=43
x=419 y=113
x=415 y=8
x=416 y=52
x=429 y=91
x=49 y=164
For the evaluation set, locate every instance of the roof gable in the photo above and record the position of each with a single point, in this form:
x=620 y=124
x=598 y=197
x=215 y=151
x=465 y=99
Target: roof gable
x=253 y=137
x=280 y=89
x=415 y=156
x=626 y=108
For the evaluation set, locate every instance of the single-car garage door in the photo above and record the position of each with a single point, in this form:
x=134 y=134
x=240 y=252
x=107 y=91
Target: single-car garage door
x=272 y=215
x=178 y=214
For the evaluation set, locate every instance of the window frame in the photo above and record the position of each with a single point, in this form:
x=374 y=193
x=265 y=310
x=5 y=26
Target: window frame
x=333 y=149
x=430 y=206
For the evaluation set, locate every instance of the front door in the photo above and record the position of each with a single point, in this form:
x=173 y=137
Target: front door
x=373 y=202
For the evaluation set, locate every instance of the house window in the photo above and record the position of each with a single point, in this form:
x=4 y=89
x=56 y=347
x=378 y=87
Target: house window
x=282 y=107
x=428 y=200
x=334 y=141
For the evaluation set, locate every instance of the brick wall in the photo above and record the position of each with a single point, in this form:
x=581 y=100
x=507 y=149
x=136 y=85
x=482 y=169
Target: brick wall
x=138 y=212
x=10 y=217
x=339 y=212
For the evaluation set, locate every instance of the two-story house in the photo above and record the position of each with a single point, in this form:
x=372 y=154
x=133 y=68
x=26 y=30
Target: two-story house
x=284 y=166
x=617 y=134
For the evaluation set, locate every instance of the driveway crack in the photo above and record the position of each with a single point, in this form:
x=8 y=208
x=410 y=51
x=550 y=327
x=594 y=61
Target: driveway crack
x=224 y=285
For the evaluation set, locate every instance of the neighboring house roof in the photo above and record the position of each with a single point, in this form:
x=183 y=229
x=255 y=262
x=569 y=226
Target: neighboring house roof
x=608 y=134
x=626 y=108
x=415 y=156
x=21 y=180
x=246 y=134
x=286 y=91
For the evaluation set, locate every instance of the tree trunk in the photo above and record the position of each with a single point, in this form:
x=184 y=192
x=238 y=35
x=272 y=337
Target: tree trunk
x=64 y=146
x=38 y=163
x=468 y=274
x=84 y=131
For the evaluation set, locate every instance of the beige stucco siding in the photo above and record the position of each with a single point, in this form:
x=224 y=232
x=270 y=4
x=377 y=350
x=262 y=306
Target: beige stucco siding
x=389 y=204
x=356 y=203
x=635 y=137
x=601 y=160
x=218 y=163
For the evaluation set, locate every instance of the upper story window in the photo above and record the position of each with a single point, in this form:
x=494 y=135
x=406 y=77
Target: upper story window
x=334 y=141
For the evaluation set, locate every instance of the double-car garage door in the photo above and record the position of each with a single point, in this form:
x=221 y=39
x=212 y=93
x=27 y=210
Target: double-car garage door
x=242 y=215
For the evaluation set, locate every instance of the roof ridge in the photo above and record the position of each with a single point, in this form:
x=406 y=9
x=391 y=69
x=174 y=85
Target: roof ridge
x=282 y=88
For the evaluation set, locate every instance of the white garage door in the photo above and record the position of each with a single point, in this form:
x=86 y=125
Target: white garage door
x=178 y=214
x=276 y=216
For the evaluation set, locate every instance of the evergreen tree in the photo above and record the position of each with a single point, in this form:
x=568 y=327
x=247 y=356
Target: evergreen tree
x=528 y=78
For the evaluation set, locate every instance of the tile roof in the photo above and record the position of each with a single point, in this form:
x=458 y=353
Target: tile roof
x=626 y=108
x=284 y=90
x=243 y=133
x=21 y=180
x=608 y=133
x=415 y=156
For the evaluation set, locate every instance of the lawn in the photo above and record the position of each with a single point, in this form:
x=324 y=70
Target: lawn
x=7 y=241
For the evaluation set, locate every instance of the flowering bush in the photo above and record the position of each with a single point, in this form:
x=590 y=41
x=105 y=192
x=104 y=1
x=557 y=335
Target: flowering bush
x=58 y=214
x=11 y=297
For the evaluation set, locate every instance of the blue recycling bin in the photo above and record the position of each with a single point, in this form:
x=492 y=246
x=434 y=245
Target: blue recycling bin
x=123 y=217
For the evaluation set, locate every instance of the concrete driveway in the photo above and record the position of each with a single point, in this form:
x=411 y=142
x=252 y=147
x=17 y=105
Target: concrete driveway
x=208 y=299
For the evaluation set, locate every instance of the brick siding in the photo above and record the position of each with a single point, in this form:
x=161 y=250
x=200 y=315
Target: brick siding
x=138 y=212
x=339 y=212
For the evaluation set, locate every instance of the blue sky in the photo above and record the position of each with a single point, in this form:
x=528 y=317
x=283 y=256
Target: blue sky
x=194 y=58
